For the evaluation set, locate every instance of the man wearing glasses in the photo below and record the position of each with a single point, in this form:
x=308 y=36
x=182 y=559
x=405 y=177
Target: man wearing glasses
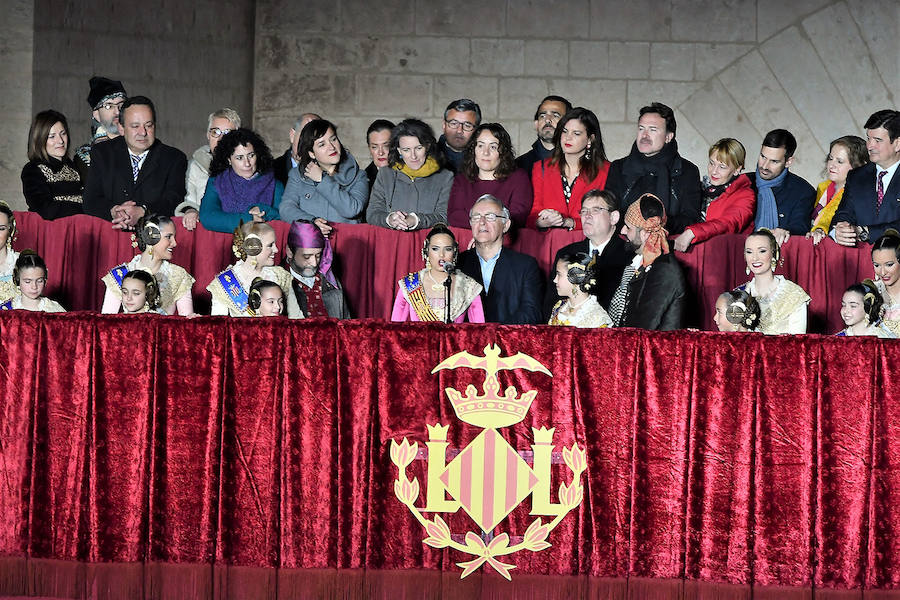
x=599 y=219
x=105 y=99
x=549 y=112
x=220 y=122
x=461 y=117
x=510 y=280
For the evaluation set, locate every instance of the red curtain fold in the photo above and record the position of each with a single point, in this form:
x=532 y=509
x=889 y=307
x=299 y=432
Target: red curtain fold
x=159 y=457
x=80 y=249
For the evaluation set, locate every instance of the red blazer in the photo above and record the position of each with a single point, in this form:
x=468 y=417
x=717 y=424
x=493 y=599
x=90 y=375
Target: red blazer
x=732 y=212
x=548 y=192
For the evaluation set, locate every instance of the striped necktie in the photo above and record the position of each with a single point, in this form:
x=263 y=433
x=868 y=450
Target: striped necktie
x=135 y=166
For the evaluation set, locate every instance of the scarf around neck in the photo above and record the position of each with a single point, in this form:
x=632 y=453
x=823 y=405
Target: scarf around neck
x=656 y=169
x=430 y=167
x=766 y=208
x=238 y=195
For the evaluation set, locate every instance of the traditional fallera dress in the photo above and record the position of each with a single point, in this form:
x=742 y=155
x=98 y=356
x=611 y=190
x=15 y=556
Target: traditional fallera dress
x=412 y=304
x=230 y=290
x=174 y=282
x=891 y=319
x=589 y=314
x=46 y=305
x=7 y=287
x=784 y=310
x=875 y=329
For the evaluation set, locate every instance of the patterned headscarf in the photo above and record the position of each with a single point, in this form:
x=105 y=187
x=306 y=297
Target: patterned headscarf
x=307 y=235
x=657 y=242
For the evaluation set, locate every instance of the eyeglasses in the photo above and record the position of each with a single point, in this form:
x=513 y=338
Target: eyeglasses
x=454 y=124
x=218 y=132
x=489 y=217
x=112 y=105
x=593 y=211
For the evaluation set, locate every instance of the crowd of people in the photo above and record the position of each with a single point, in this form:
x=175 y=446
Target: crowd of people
x=633 y=211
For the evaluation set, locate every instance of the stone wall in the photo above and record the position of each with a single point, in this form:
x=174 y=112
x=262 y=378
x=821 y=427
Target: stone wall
x=733 y=68
x=189 y=58
x=16 y=33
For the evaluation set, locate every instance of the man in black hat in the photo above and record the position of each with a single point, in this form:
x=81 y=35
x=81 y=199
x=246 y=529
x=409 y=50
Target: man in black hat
x=105 y=99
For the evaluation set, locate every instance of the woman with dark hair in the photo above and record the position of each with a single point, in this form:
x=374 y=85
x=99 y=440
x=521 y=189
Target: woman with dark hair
x=489 y=167
x=782 y=303
x=886 y=262
x=328 y=184
x=241 y=185
x=862 y=308
x=154 y=237
x=30 y=277
x=421 y=295
x=576 y=283
x=413 y=192
x=737 y=310
x=578 y=164
x=844 y=154
x=8 y=256
x=50 y=183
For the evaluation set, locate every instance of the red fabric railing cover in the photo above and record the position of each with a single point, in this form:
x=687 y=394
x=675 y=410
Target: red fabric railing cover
x=257 y=451
x=79 y=250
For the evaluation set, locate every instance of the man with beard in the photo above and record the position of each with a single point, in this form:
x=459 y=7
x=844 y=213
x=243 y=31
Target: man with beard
x=655 y=167
x=784 y=201
x=309 y=257
x=549 y=112
x=652 y=291
x=105 y=99
x=461 y=117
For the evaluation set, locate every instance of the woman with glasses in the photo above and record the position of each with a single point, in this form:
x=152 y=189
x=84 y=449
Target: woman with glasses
x=241 y=186
x=220 y=123
x=50 y=182
x=413 y=192
x=578 y=164
x=729 y=203
x=489 y=167
x=422 y=295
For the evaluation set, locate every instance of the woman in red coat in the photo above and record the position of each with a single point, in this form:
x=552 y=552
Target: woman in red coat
x=729 y=203
x=578 y=164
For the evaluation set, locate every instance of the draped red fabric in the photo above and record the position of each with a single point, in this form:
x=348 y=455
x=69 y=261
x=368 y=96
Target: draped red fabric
x=157 y=457
x=80 y=249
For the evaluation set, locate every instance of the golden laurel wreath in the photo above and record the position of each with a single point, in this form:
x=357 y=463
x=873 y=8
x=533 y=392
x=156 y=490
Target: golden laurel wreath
x=407 y=491
x=490 y=411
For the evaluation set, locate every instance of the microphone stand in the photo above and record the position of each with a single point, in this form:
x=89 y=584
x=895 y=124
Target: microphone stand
x=447 y=283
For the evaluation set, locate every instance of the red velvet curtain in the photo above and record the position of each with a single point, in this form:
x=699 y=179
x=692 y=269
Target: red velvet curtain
x=79 y=250
x=155 y=457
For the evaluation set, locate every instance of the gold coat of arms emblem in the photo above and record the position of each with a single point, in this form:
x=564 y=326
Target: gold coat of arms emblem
x=488 y=478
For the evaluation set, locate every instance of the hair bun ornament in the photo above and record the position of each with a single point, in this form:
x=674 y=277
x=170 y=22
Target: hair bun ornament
x=134 y=242
x=252 y=245
x=150 y=233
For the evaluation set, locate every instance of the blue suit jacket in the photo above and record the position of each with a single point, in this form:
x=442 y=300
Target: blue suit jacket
x=795 y=199
x=515 y=294
x=858 y=206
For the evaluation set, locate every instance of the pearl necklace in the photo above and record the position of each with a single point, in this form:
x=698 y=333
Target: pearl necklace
x=436 y=285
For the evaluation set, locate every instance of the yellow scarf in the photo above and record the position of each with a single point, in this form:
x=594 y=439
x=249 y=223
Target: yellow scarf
x=430 y=167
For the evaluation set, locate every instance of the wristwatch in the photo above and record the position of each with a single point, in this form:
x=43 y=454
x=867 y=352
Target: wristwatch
x=862 y=233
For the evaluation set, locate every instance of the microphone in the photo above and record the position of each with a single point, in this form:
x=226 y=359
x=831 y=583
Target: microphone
x=449 y=267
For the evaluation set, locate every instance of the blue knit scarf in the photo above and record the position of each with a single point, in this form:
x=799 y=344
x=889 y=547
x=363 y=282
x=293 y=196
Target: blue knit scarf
x=766 y=209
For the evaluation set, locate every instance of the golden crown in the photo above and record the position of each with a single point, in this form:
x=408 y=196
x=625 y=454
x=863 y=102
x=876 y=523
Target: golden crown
x=491 y=409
